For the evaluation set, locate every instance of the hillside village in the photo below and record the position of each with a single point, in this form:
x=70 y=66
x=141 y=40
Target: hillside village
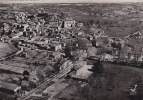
x=43 y=44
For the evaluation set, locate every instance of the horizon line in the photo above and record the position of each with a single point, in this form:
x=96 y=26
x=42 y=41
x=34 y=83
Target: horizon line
x=68 y=1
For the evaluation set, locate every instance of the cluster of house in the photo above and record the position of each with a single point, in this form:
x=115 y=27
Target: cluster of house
x=38 y=31
x=62 y=37
x=42 y=31
x=23 y=83
x=128 y=49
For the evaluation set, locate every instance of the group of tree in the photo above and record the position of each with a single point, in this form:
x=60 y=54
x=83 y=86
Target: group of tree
x=97 y=68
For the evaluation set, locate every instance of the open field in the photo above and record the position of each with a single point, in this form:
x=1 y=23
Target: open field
x=122 y=78
x=6 y=49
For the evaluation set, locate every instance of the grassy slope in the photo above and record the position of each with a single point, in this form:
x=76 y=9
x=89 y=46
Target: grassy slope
x=6 y=49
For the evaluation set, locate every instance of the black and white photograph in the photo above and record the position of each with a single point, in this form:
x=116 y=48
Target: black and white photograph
x=71 y=49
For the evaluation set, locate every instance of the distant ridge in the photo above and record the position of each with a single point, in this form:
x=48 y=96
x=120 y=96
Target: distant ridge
x=70 y=1
x=73 y=3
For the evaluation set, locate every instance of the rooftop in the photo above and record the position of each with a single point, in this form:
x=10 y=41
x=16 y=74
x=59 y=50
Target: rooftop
x=14 y=69
x=83 y=72
x=8 y=86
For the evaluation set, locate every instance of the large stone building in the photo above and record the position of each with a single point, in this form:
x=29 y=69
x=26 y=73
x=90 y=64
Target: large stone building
x=68 y=23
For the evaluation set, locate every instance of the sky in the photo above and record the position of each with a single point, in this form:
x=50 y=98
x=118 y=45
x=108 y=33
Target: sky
x=68 y=1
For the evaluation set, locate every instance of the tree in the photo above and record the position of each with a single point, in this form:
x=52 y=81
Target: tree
x=91 y=22
x=26 y=73
x=82 y=44
x=97 y=22
x=106 y=23
x=68 y=51
x=40 y=75
x=116 y=45
x=97 y=67
x=62 y=15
